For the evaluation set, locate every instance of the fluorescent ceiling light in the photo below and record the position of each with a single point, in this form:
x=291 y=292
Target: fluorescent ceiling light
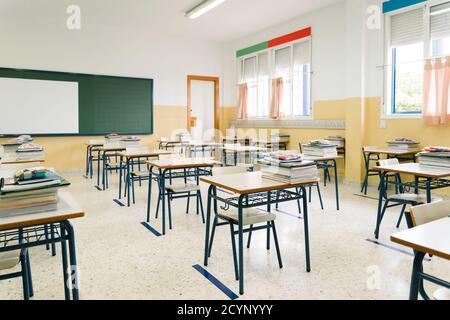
x=203 y=7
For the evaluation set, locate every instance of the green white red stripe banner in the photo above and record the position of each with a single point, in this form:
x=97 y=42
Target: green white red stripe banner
x=299 y=34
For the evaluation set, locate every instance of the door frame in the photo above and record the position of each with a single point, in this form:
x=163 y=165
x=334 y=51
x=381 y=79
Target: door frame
x=216 y=81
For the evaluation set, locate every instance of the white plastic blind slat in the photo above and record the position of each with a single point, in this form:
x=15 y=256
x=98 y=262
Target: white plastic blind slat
x=302 y=52
x=440 y=21
x=283 y=58
x=407 y=27
x=249 y=68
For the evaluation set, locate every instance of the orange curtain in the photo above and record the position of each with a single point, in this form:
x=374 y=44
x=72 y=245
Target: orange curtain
x=276 y=106
x=242 y=112
x=436 y=106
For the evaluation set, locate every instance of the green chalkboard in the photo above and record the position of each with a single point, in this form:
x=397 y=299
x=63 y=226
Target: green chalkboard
x=105 y=103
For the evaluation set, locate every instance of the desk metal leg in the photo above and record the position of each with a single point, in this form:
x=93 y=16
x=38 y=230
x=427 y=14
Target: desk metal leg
x=149 y=196
x=428 y=183
x=128 y=181
x=65 y=263
x=380 y=204
x=306 y=227
x=73 y=260
x=87 y=161
x=415 y=277
x=208 y=225
x=120 y=177
x=98 y=168
x=241 y=244
x=336 y=181
x=104 y=171
x=163 y=199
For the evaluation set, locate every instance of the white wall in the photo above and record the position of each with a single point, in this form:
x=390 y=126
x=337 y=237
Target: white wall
x=33 y=35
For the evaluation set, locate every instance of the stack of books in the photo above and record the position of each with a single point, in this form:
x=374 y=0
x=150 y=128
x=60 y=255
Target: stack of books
x=113 y=137
x=403 y=144
x=435 y=157
x=30 y=151
x=320 y=148
x=288 y=168
x=131 y=141
x=13 y=144
x=31 y=190
x=337 y=140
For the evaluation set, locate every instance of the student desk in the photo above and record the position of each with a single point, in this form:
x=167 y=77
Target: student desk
x=102 y=156
x=252 y=191
x=184 y=168
x=432 y=238
x=389 y=153
x=90 y=147
x=425 y=178
x=129 y=157
x=272 y=145
x=169 y=144
x=325 y=163
x=191 y=148
x=246 y=150
x=12 y=160
x=28 y=230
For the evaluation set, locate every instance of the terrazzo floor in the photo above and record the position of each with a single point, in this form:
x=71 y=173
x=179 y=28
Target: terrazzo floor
x=119 y=258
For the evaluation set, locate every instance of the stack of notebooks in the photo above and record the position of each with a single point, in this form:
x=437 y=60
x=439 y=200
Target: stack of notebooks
x=13 y=144
x=113 y=137
x=131 y=141
x=288 y=168
x=403 y=144
x=30 y=151
x=435 y=157
x=320 y=148
x=30 y=191
x=337 y=140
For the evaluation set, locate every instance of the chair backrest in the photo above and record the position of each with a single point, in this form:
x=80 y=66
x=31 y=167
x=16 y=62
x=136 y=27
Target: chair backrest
x=388 y=162
x=429 y=212
x=220 y=171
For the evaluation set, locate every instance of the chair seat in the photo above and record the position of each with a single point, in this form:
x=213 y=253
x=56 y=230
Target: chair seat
x=9 y=260
x=442 y=294
x=181 y=188
x=250 y=216
x=412 y=197
x=140 y=174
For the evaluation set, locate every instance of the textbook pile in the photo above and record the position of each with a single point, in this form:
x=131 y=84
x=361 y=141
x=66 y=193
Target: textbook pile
x=131 y=141
x=288 y=168
x=403 y=144
x=32 y=190
x=30 y=151
x=435 y=157
x=320 y=148
x=113 y=137
x=13 y=144
x=337 y=140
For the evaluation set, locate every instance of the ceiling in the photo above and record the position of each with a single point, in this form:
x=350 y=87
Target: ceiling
x=229 y=21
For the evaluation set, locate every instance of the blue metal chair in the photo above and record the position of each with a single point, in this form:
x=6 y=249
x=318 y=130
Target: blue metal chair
x=9 y=260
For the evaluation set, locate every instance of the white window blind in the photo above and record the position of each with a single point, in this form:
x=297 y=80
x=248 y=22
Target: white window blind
x=249 y=73
x=283 y=58
x=302 y=52
x=440 y=21
x=407 y=27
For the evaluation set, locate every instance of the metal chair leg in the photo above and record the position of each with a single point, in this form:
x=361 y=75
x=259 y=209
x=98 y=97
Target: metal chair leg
x=233 y=245
x=213 y=233
x=25 y=273
x=201 y=206
x=268 y=236
x=188 y=203
x=277 y=246
x=169 y=206
x=249 y=241
x=401 y=216
x=320 y=195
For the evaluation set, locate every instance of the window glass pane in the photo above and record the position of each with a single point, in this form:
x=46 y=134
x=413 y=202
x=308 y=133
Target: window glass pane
x=263 y=84
x=407 y=78
x=283 y=70
x=301 y=79
x=250 y=78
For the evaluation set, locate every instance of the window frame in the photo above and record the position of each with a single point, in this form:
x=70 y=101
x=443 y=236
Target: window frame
x=271 y=68
x=388 y=107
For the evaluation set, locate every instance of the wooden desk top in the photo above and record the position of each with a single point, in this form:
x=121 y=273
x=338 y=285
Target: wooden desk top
x=432 y=238
x=314 y=158
x=94 y=143
x=415 y=169
x=143 y=153
x=203 y=144
x=68 y=208
x=181 y=163
x=249 y=182
x=393 y=152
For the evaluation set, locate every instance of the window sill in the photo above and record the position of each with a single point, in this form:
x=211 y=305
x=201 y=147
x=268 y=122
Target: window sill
x=401 y=116
x=303 y=123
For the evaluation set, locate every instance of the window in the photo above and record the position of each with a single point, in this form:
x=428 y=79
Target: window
x=413 y=36
x=291 y=62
